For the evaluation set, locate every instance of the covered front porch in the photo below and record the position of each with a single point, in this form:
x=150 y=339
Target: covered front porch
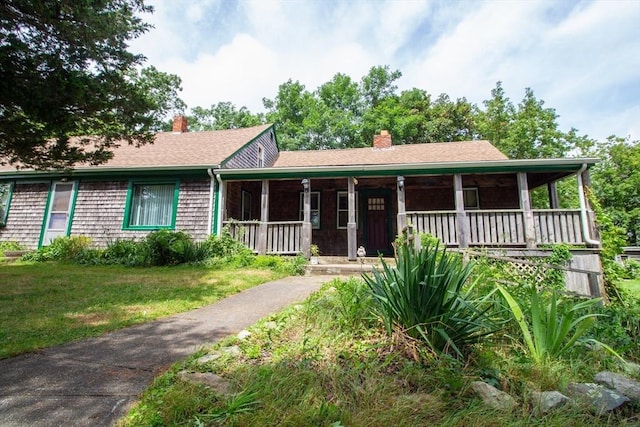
x=285 y=211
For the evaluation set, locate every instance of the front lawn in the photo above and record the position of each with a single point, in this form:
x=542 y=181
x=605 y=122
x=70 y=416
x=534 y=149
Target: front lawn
x=632 y=286
x=47 y=304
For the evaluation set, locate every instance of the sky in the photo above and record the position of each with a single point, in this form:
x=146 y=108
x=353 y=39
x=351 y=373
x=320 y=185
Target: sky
x=581 y=57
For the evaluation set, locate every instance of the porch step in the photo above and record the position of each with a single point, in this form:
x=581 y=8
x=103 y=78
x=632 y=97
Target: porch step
x=339 y=266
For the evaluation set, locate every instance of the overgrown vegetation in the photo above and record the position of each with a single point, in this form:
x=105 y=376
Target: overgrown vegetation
x=162 y=248
x=330 y=362
x=423 y=298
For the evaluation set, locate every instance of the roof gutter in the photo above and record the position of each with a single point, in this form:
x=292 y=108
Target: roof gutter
x=11 y=174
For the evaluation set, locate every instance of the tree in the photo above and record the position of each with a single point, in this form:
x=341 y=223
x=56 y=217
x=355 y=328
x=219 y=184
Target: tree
x=223 y=115
x=65 y=72
x=617 y=184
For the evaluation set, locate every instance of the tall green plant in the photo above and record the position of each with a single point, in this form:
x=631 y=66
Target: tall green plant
x=424 y=297
x=549 y=326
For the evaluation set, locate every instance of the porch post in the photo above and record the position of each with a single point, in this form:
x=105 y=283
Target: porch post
x=402 y=211
x=306 y=218
x=462 y=226
x=222 y=209
x=264 y=218
x=553 y=195
x=352 y=235
x=525 y=205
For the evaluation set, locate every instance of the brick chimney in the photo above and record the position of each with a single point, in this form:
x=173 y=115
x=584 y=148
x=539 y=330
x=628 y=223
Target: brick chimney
x=383 y=140
x=180 y=123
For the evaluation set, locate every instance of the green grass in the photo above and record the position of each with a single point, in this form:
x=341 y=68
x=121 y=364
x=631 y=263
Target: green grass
x=46 y=304
x=633 y=286
x=328 y=362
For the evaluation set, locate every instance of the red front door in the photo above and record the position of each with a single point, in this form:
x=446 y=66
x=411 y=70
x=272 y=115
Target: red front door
x=377 y=225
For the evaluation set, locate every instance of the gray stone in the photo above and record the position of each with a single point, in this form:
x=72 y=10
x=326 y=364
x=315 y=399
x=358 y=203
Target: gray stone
x=216 y=382
x=600 y=399
x=234 y=350
x=208 y=358
x=547 y=401
x=493 y=397
x=620 y=383
x=243 y=335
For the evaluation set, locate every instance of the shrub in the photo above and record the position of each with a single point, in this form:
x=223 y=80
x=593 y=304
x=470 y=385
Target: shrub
x=550 y=326
x=423 y=296
x=224 y=245
x=174 y=247
x=10 y=246
x=126 y=252
x=60 y=249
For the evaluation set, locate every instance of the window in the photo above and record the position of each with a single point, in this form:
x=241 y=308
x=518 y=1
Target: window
x=470 y=196
x=315 y=209
x=6 y=189
x=246 y=206
x=343 y=209
x=151 y=205
x=260 y=156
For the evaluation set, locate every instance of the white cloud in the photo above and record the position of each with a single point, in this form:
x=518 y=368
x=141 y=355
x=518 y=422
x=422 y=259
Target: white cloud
x=582 y=58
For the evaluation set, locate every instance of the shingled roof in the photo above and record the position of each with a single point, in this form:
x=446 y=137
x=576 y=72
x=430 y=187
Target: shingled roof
x=180 y=149
x=459 y=151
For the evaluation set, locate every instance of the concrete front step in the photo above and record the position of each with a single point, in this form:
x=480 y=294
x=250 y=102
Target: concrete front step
x=339 y=266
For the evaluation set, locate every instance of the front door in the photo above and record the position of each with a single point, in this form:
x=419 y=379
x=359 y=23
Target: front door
x=58 y=212
x=377 y=218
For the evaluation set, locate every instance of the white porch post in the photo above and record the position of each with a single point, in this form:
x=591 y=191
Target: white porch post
x=462 y=226
x=222 y=209
x=525 y=205
x=264 y=218
x=306 y=218
x=402 y=211
x=352 y=234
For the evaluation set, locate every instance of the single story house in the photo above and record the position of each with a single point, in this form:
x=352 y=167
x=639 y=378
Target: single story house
x=465 y=193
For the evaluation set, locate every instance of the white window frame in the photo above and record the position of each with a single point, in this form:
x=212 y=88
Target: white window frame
x=315 y=213
x=338 y=210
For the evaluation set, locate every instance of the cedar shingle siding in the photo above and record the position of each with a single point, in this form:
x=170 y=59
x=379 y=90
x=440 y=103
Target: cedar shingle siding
x=99 y=211
x=25 y=214
x=247 y=157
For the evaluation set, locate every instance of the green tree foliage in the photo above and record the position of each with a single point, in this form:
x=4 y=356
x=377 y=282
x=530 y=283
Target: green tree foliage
x=223 y=115
x=65 y=72
x=617 y=184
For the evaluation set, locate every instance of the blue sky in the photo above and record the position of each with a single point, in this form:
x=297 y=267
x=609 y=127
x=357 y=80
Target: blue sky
x=581 y=57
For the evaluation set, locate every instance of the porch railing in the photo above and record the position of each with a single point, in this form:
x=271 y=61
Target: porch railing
x=501 y=227
x=558 y=226
x=280 y=237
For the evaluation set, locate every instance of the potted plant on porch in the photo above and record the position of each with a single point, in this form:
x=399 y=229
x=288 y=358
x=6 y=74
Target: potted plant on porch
x=314 y=250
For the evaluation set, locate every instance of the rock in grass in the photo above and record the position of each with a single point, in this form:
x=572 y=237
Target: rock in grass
x=493 y=397
x=243 y=335
x=547 y=401
x=600 y=399
x=215 y=382
x=620 y=383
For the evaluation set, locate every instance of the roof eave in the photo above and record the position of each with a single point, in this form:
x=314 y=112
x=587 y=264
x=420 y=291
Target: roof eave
x=102 y=171
x=485 y=166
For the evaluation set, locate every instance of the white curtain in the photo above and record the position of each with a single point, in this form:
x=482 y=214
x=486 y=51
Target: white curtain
x=152 y=205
